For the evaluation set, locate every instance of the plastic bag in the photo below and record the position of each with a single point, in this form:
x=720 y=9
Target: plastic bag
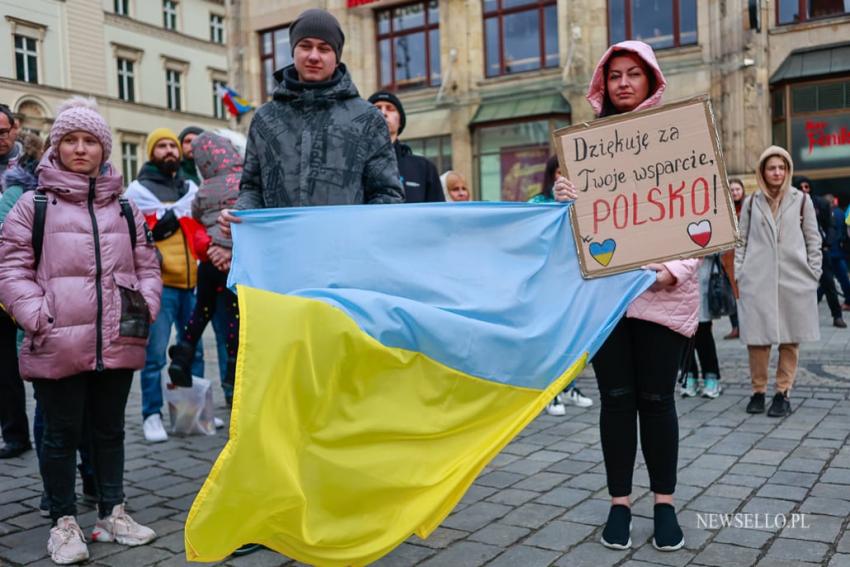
x=191 y=409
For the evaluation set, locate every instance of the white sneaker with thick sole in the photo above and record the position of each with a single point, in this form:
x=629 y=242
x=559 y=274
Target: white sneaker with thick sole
x=575 y=397
x=120 y=527
x=218 y=422
x=556 y=407
x=153 y=429
x=67 y=544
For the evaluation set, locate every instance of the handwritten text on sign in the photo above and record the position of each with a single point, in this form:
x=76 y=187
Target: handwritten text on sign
x=652 y=187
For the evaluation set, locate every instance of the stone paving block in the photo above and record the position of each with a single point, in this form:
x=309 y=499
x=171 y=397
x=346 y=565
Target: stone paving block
x=844 y=543
x=750 y=469
x=520 y=448
x=794 y=550
x=724 y=490
x=822 y=443
x=802 y=465
x=743 y=537
x=135 y=557
x=814 y=527
x=499 y=479
x=709 y=461
x=722 y=555
x=563 y=496
x=829 y=506
x=714 y=504
x=464 y=554
x=570 y=466
x=525 y=467
x=772 y=444
x=476 y=493
x=749 y=481
x=807 y=452
x=512 y=496
x=559 y=535
x=532 y=515
x=441 y=538
x=839 y=560
x=770 y=506
x=805 y=480
x=476 y=516
x=794 y=493
x=651 y=555
x=592 y=554
x=698 y=476
x=499 y=534
x=525 y=556
x=569 y=447
x=589 y=481
x=542 y=481
x=836 y=476
x=593 y=512
x=763 y=457
x=548 y=456
x=542 y=439
x=503 y=459
x=172 y=542
x=12 y=509
x=405 y=555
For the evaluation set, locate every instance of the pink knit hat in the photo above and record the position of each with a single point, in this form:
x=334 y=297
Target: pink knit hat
x=78 y=113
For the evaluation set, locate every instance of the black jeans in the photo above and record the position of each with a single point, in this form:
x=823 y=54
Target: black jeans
x=706 y=350
x=13 y=413
x=212 y=283
x=97 y=399
x=636 y=372
x=827 y=287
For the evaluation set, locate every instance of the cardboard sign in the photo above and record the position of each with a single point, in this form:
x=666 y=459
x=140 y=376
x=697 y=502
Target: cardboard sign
x=652 y=187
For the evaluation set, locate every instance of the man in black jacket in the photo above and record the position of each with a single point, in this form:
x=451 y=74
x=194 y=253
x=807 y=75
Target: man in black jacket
x=418 y=175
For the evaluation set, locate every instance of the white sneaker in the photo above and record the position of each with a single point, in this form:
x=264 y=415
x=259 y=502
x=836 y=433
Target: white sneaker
x=153 y=429
x=218 y=422
x=575 y=397
x=120 y=527
x=66 y=543
x=555 y=407
x=691 y=387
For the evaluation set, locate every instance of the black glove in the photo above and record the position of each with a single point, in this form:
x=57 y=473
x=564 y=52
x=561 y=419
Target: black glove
x=166 y=226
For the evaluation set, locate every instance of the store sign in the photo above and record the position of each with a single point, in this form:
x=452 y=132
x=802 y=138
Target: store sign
x=821 y=142
x=354 y=3
x=652 y=187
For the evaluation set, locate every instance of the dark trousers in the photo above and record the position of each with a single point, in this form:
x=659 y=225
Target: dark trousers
x=733 y=317
x=839 y=268
x=98 y=400
x=13 y=414
x=827 y=287
x=85 y=465
x=636 y=372
x=212 y=287
x=706 y=350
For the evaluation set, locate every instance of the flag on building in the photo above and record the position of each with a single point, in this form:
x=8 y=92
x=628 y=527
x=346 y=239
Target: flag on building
x=235 y=104
x=386 y=355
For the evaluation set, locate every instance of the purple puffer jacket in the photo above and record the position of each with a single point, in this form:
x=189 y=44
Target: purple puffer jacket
x=89 y=304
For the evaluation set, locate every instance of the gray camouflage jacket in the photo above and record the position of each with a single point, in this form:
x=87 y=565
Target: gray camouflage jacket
x=318 y=145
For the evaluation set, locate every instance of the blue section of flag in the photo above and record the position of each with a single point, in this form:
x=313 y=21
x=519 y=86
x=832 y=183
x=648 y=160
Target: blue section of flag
x=490 y=289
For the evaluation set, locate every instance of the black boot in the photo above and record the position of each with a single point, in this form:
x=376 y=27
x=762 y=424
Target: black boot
x=756 y=404
x=781 y=406
x=180 y=370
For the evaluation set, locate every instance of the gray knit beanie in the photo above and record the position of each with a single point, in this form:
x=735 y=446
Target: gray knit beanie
x=321 y=25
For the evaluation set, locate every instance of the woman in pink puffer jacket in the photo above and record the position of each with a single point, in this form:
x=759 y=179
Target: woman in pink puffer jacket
x=637 y=366
x=85 y=300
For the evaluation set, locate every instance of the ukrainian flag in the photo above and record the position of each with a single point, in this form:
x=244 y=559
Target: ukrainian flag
x=387 y=354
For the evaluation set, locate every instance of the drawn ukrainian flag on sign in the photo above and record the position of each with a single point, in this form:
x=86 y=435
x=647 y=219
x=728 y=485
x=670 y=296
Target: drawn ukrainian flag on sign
x=387 y=354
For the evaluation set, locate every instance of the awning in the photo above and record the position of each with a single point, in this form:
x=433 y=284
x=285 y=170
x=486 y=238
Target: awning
x=428 y=124
x=814 y=62
x=506 y=109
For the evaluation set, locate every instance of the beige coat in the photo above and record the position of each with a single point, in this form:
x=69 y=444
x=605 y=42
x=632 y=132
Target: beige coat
x=778 y=265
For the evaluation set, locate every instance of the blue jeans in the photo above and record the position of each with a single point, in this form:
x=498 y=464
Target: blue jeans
x=219 y=323
x=177 y=306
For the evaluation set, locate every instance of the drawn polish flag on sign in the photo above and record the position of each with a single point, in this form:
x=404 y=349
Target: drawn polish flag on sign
x=355 y=3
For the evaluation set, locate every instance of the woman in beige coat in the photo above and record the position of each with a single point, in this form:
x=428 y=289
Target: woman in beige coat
x=777 y=266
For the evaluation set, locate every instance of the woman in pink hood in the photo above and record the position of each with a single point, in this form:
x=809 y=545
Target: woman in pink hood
x=85 y=297
x=636 y=368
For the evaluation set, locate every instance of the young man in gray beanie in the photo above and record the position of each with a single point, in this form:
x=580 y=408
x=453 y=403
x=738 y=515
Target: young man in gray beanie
x=316 y=121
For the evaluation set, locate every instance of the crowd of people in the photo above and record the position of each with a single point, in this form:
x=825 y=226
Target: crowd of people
x=133 y=263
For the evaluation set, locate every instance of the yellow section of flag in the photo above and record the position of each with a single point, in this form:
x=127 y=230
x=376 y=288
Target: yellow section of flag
x=340 y=447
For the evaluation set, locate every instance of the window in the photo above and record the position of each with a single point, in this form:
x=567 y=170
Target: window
x=660 y=23
x=520 y=35
x=218 y=105
x=275 y=54
x=126 y=80
x=173 y=89
x=820 y=97
x=409 y=46
x=26 y=58
x=216 y=28
x=129 y=160
x=438 y=150
x=794 y=11
x=169 y=14
x=122 y=7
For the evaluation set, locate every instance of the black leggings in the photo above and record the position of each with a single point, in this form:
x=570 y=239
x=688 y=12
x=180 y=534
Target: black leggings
x=706 y=350
x=211 y=283
x=636 y=372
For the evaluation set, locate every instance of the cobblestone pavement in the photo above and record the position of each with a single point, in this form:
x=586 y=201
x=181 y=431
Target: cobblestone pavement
x=542 y=501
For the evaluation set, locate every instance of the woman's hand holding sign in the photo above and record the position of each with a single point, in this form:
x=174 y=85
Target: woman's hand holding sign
x=564 y=190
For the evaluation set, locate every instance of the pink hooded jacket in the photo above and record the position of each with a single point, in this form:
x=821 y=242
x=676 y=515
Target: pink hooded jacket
x=676 y=307
x=89 y=303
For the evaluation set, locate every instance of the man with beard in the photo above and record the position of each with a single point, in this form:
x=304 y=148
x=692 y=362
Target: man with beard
x=165 y=197
x=10 y=148
x=187 y=164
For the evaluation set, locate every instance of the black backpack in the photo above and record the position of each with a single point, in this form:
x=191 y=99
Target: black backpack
x=40 y=202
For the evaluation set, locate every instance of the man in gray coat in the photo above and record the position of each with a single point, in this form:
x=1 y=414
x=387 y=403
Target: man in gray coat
x=316 y=142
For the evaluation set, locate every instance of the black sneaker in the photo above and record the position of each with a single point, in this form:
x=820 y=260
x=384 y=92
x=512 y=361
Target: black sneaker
x=756 y=404
x=839 y=322
x=780 y=407
x=44 y=506
x=248 y=548
x=668 y=535
x=618 y=529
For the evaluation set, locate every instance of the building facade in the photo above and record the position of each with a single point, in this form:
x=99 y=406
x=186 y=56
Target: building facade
x=484 y=82
x=149 y=63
